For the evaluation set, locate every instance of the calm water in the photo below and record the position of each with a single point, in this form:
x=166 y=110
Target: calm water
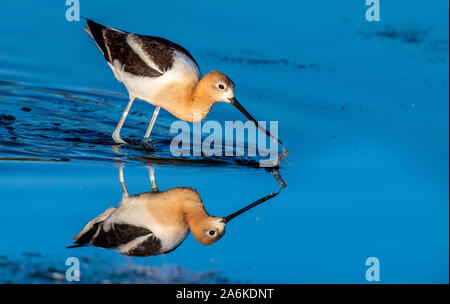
x=362 y=108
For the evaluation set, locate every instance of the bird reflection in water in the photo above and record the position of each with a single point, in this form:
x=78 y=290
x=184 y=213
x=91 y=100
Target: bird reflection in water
x=155 y=222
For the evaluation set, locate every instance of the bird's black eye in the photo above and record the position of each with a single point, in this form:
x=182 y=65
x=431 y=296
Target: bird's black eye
x=221 y=86
x=212 y=232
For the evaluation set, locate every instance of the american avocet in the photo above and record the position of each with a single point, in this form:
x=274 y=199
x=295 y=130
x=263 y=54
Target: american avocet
x=153 y=223
x=164 y=74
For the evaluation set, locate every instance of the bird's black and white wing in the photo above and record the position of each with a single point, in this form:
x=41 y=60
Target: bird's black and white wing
x=126 y=238
x=139 y=55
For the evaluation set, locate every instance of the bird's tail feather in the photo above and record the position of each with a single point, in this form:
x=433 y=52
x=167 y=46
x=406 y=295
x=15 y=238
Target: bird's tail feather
x=85 y=236
x=76 y=246
x=95 y=30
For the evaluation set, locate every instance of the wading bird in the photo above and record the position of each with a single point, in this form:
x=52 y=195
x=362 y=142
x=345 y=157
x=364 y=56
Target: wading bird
x=153 y=223
x=163 y=74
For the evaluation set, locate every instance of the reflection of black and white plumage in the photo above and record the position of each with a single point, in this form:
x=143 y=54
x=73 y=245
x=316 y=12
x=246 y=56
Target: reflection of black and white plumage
x=155 y=222
x=127 y=229
x=128 y=239
x=151 y=223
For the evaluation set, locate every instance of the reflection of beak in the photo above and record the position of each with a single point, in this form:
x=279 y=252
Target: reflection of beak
x=235 y=103
x=261 y=200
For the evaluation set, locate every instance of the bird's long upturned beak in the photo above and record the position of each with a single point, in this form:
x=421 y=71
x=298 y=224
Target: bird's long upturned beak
x=235 y=103
x=261 y=200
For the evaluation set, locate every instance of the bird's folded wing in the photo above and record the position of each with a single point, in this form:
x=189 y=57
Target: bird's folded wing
x=89 y=226
x=142 y=246
x=117 y=235
x=124 y=48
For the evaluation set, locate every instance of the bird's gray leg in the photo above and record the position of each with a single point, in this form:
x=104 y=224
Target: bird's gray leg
x=122 y=182
x=116 y=135
x=151 y=171
x=152 y=122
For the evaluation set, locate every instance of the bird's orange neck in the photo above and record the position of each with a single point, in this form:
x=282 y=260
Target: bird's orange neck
x=200 y=101
x=189 y=100
x=196 y=217
x=194 y=212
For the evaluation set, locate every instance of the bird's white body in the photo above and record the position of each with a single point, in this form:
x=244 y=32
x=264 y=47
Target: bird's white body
x=184 y=73
x=137 y=211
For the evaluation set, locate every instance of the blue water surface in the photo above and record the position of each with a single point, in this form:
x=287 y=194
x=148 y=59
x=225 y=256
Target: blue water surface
x=363 y=108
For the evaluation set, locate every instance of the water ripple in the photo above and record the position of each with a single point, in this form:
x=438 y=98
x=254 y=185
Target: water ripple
x=59 y=124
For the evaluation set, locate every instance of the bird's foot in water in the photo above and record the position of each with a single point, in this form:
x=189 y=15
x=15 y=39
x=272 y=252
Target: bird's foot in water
x=117 y=139
x=148 y=144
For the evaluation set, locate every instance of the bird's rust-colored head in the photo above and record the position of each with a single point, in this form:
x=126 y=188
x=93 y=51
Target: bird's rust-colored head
x=217 y=87
x=209 y=230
